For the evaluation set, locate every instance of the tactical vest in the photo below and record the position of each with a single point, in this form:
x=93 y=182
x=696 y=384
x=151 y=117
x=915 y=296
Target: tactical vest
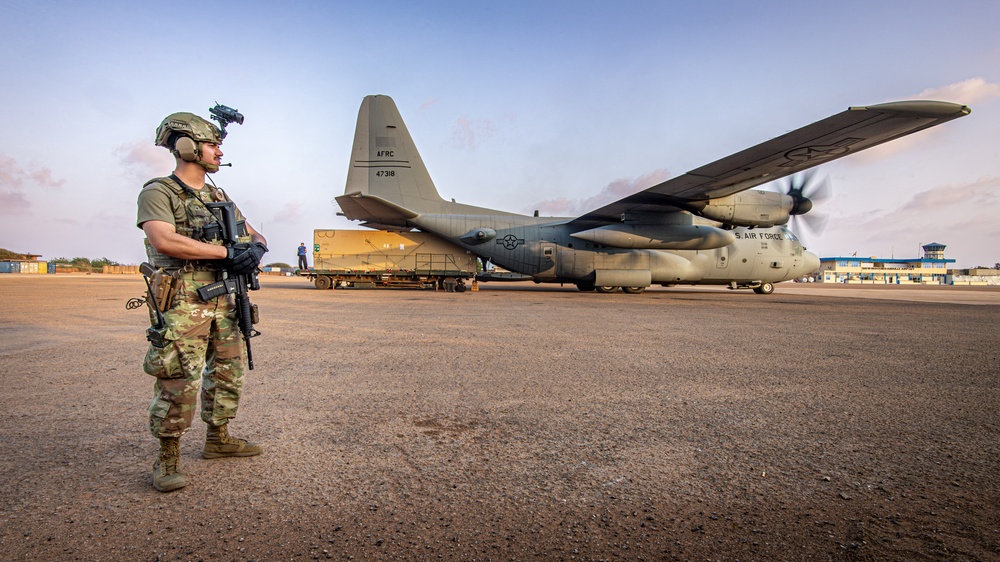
x=198 y=222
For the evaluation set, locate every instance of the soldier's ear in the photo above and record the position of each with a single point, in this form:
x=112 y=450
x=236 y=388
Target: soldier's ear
x=187 y=149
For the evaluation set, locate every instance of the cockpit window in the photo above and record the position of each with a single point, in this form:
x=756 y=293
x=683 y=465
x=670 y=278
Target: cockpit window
x=789 y=235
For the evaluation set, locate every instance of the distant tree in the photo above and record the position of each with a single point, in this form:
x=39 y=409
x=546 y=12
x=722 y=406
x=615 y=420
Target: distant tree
x=8 y=255
x=101 y=262
x=81 y=263
x=282 y=265
x=996 y=265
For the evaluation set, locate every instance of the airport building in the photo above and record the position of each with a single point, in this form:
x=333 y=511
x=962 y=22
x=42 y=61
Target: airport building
x=27 y=263
x=932 y=268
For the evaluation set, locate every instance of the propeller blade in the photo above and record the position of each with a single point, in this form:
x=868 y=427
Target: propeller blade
x=819 y=189
x=815 y=222
x=806 y=189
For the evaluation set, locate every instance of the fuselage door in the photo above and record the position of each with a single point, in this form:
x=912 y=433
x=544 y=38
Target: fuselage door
x=547 y=261
x=722 y=257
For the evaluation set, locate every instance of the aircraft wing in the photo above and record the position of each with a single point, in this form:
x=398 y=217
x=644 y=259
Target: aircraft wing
x=837 y=136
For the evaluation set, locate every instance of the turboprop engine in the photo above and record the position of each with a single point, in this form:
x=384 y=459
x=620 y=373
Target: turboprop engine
x=752 y=208
x=756 y=208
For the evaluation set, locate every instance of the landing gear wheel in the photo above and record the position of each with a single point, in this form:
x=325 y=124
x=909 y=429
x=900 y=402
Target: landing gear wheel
x=633 y=290
x=764 y=289
x=323 y=282
x=607 y=289
x=585 y=287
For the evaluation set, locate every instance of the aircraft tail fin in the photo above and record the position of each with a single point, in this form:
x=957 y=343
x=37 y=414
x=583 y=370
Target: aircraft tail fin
x=385 y=163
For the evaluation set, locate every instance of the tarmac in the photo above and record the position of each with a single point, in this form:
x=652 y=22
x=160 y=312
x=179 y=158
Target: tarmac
x=519 y=422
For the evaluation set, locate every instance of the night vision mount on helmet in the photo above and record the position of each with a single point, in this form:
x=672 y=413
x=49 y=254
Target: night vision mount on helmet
x=226 y=115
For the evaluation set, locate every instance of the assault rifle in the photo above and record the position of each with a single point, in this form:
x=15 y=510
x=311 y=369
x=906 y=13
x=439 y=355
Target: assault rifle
x=237 y=285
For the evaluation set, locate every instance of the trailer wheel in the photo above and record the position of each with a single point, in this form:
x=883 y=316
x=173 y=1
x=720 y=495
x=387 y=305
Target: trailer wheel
x=634 y=290
x=607 y=289
x=460 y=288
x=585 y=287
x=323 y=282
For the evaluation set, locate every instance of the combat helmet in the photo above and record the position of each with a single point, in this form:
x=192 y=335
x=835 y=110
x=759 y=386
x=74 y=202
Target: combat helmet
x=182 y=134
x=189 y=125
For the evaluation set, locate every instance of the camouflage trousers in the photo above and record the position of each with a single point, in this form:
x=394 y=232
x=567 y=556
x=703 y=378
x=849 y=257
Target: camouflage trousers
x=203 y=349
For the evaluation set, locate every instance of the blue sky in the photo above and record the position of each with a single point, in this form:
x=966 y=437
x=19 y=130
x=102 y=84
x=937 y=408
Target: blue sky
x=558 y=106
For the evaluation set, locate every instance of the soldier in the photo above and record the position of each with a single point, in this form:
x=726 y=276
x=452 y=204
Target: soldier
x=202 y=343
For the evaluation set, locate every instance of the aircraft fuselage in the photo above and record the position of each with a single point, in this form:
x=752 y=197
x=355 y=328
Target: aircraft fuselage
x=544 y=248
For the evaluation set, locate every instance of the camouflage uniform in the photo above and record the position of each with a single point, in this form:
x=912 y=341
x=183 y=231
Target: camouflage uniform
x=203 y=339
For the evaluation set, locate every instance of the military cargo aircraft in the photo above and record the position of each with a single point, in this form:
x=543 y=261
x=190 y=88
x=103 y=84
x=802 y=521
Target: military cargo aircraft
x=705 y=227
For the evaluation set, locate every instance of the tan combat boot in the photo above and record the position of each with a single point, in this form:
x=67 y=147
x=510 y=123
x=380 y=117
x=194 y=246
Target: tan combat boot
x=218 y=443
x=166 y=477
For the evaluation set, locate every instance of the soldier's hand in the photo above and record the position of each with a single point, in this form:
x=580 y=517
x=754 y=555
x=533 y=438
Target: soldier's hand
x=242 y=259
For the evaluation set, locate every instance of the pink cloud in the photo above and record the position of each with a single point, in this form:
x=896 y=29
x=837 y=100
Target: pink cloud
x=612 y=192
x=961 y=214
x=13 y=175
x=983 y=191
x=291 y=213
x=10 y=173
x=15 y=178
x=427 y=104
x=142 y=160
x=966 y=92
x=43 y=176
x=468 y=133
x=12 y=202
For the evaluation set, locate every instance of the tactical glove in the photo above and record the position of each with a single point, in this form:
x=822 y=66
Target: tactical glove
x=242 y=259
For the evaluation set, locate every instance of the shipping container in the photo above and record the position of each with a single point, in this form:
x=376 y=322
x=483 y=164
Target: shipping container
x=379 y=258
x=10 y=267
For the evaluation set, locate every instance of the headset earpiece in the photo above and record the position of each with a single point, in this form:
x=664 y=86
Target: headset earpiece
x=187 y=149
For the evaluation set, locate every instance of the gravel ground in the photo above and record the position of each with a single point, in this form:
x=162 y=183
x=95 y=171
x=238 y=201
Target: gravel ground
x=517 y=423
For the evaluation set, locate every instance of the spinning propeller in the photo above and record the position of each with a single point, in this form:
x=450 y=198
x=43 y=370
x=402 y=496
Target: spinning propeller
x=806 y=189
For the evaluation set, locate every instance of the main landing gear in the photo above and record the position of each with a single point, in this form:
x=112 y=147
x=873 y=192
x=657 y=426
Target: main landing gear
x=588 y=287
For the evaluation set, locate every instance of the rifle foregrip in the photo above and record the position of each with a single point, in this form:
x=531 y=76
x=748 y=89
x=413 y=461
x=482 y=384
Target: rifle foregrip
x=244 y=318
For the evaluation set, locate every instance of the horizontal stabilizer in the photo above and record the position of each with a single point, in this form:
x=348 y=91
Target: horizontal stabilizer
x=370 y=208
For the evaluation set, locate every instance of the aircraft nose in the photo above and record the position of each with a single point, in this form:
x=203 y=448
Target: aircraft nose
x=811 y=261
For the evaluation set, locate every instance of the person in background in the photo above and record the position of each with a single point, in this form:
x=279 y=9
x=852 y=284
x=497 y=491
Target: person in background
x=303 y=264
